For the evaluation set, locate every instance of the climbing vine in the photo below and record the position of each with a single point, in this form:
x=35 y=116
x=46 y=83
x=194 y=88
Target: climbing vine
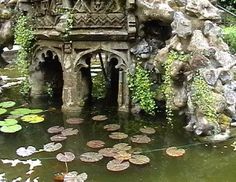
x=167 y=87
x=24 y=37
x=140 y=85
x=202 y=97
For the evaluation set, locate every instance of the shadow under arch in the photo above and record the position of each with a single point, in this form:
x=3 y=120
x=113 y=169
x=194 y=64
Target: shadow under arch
x=46 y=74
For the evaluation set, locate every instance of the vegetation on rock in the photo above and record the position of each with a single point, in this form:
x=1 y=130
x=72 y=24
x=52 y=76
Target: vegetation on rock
x=140 y=85
x=202 y=98
x=230 y=37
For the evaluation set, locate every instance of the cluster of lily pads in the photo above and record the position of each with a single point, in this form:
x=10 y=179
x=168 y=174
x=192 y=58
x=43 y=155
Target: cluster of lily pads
x=10 y=117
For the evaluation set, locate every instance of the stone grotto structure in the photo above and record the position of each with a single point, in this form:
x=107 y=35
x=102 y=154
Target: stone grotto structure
x=71 y=33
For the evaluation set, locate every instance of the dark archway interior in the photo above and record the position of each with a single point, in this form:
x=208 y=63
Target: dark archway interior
x=52 y=75
x=100 y=79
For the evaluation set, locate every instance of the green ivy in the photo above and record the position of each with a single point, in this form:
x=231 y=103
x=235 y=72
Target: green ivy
x=24 y=37
x=140 y=85
x=202 y=98
x=230 y=37
x=99 y=87
x=167 y=86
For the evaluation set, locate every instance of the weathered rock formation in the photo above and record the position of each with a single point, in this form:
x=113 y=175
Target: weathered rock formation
x=127 y=32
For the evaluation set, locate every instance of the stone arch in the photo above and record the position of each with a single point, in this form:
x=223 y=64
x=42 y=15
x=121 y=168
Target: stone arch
x=46 y=72
x=83 y=83
x=80 y=62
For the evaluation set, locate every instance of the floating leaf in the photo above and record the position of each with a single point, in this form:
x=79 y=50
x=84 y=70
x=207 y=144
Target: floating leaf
x=11 y=129
x=21 y=111
x=118 y=135
x=8 y=122
x=122 y=146
x=32 y=118
x=139 y=159
x=99 y=118
x=55 y=129
x=91 y=157
x=116 y=165
x=112 y=127
x=58 y=138
x=95 y=144
x=75 y=121
x=66 y=157
x=140 y=139
x=122 y=156
x=108 y=152
x=2 y=111
x=147 y=130
x=36 y=111
x=69 y=132
x=7 y=104
x=174 y=152
x=52 y=147
x=25 y=152
x=74 y=176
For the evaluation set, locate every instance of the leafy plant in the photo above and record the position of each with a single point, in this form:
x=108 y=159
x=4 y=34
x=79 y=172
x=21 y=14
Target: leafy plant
x=202 y=98
x=140 y=85
x=230 y=37
x=228 y=4
x=167 y=87
x=24 y=37
x=99 y=87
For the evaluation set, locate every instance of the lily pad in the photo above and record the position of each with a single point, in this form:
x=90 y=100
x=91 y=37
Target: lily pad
x=69 y=132
x=7 y=104
x=108 y=152
x=122 y=156
x=2 y=111
x=21 y=111
x=11 y=129
x=99 y=118
x=8 y=122
x=32 y=118
x=112 y=127
x=55 y=129
x=52 y=147
x=75 y=121
x=36 y=111
x=58 y=138
x=174 y=152
x=95 y=144
x=142 y=139
x=122 y=146
x=25 y=152
x=116 y=165
x=139 y=159
x=118 y=136
x=147 y=130
x=91 y=157
x=66 y=157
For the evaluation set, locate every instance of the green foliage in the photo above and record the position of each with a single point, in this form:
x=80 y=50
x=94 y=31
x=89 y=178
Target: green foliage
x=49 y=89
x=202 y=98
x=228 y=4
x=167 y=87
x=140 y=85
x=99 y=86
x=230 y=37
x=24 y=37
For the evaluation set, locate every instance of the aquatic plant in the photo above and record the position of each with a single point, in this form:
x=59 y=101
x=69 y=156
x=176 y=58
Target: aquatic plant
x=140 y=85
x=175 y=152
x=65 y=157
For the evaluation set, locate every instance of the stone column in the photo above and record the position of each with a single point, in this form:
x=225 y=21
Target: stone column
x=123 y=93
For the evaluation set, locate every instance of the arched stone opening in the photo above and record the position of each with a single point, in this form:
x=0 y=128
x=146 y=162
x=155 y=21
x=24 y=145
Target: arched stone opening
x=110 y=69
x=47 y=75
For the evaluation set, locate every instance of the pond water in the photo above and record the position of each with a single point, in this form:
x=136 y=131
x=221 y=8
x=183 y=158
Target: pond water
x=202 y=162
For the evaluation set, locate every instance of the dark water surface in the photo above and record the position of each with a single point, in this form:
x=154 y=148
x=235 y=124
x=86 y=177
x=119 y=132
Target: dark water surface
x=211 y=163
